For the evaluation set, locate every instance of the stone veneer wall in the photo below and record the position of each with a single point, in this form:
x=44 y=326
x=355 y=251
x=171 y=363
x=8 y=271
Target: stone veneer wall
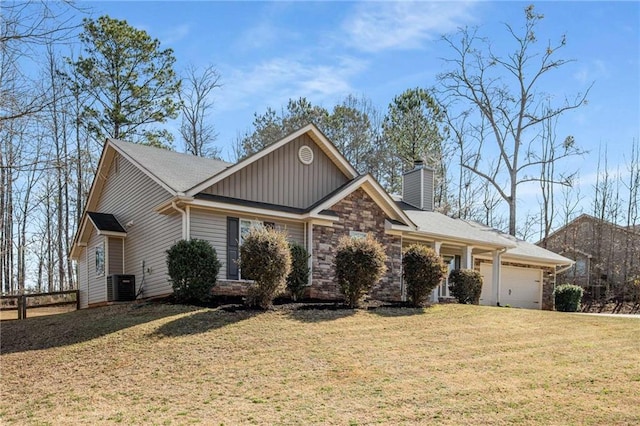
x=548 y=280
x=356 y=212
x=230 y=288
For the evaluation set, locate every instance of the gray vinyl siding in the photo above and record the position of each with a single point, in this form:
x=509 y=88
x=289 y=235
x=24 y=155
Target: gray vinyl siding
x=428 y=189
x=116 y=265
x=295 y=230
x=83 y=278
x=280 y=178
x=131 y=196
x=212 y=226
x=411 y=188
x=97 y=284
x=418 y=187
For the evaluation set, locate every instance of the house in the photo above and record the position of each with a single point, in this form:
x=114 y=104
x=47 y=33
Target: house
x=606 y=255
x=144 y=199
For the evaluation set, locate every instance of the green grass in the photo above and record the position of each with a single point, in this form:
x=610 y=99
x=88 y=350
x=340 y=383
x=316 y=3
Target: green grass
x=449 y=364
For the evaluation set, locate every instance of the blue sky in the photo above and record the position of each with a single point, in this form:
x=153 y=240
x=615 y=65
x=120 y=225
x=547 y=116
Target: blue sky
x=268 y=52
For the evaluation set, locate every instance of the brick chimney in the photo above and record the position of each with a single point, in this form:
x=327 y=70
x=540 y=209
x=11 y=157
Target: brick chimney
x=417 y=186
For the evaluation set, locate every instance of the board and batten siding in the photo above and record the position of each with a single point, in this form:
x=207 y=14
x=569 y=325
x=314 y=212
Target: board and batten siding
x=411 y=188
x=428 y=189
x=131 y=196
x=281 y=178
x=212 y=226
x=418 y=187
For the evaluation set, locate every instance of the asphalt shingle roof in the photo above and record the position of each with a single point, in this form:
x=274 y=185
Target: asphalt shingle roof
x=106 y=222
x=178 y=171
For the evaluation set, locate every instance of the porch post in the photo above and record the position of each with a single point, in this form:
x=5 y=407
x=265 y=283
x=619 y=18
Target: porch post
x=466 y=260
x=434 y=294
x=497 y=259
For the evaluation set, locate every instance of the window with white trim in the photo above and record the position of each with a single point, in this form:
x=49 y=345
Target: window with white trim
x=100 y=260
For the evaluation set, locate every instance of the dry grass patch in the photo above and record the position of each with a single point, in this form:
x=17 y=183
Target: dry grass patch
x=450 y=364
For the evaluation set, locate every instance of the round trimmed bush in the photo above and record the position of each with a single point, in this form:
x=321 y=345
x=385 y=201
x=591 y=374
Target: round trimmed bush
x=299 y=276
x=360 y=264
x=193 y=268
x=422 y=269
x=466 y=286
x=265 y=257
x=568 y=297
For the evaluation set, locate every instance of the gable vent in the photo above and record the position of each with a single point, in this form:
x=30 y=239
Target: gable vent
x=305 y=154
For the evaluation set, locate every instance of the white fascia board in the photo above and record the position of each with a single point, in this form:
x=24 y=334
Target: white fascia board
x=140 y=166
x=370 y=186
x=112 y=234
x=100 y=174
x=164 y=206
x=394 y=229
x=79 y=238
x=526 y=260
x=314 y=133
x=458 y=241
x=216 y=205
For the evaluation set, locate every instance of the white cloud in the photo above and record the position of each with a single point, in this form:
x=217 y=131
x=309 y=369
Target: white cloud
x=592 y=71
x=175 y=34
x=262 y=36
x=274 y=81
x=403 y=25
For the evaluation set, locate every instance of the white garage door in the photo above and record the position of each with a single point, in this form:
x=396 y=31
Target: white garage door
x=519 y=287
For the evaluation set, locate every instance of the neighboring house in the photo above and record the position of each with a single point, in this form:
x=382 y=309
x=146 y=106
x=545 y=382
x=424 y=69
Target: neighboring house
x=144 y=199
x=606 y=255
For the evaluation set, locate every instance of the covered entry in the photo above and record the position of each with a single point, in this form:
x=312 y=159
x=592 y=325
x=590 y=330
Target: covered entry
x=519 y=287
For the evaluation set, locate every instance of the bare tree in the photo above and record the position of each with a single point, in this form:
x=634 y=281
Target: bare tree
x=196 y=103
x=505 y=91
x=549 y=177
x=24 y=27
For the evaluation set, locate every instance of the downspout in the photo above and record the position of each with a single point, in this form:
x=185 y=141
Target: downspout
x=184 y=220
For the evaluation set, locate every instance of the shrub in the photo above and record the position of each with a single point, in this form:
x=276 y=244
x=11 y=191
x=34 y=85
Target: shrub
x=568 y=297
x=299 y=276
x=466 y=286
x=265 y=257
x=422 y=270
x=359 y=263
x=193 y=267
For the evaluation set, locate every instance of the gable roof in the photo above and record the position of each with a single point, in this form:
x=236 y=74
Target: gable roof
x=438 y=225
x=635 y=231
x=177 y=172
x=532 y=252
x=373 y=189
x=311 y=130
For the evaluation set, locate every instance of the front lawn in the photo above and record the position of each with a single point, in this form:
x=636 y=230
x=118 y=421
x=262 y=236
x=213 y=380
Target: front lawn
x=449 y=364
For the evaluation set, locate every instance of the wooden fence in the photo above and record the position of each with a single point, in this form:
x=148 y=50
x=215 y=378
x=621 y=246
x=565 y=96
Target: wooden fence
x=22 y=301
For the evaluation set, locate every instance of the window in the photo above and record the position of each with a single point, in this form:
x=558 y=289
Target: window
x=452 y=262
x=236 y=231
x=246 y=225
x=100 y=260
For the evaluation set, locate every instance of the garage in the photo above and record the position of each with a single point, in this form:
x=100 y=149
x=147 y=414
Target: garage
x=519 y=287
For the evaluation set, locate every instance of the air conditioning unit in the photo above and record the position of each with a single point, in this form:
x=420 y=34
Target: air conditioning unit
x=121 y=288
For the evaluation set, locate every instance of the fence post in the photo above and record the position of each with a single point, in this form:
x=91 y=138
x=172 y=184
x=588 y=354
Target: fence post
x=22 y=306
